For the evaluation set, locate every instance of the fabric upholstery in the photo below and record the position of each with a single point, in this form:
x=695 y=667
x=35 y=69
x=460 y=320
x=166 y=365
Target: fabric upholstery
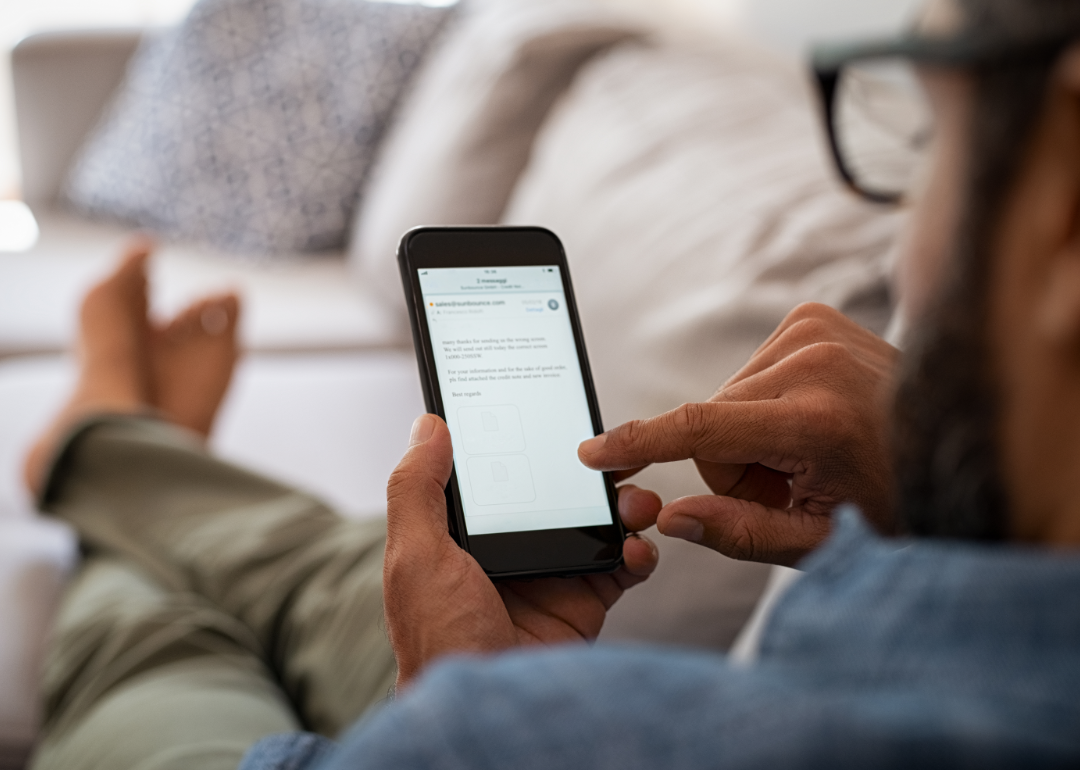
x=251 y=125
x=62 y=82
x=467 y=127
x=710 y=211
x=693 y=195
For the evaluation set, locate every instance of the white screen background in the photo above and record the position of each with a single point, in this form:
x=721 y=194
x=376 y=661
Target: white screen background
x=514 y=398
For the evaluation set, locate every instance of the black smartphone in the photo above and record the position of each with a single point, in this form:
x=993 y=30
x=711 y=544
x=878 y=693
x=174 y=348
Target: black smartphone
x=503 y=361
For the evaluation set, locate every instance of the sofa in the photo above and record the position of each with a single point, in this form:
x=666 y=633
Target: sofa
x=685 y=174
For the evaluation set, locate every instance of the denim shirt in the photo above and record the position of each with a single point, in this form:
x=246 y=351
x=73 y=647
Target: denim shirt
x=885 y=654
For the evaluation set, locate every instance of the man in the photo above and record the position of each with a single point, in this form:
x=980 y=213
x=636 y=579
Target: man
x=958 y=647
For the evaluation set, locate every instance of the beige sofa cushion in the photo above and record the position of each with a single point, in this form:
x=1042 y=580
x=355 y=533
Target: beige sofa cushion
x=307 y=303
x=62 y=82
x=693 y=194
x=465 y=131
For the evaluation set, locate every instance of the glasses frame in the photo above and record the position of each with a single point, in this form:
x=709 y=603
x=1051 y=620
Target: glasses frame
x=828 y=63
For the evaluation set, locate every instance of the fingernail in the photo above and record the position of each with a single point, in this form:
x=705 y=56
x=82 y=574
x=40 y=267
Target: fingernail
x=684 y=528
x=593 y=445
x=652 y=546
x=654 y=558
x=422 y=429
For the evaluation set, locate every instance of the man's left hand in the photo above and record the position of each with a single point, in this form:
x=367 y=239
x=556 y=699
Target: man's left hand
x=438 y=599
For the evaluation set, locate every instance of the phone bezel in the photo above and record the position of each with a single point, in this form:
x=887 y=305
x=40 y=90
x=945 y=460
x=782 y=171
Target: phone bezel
x=561 y=552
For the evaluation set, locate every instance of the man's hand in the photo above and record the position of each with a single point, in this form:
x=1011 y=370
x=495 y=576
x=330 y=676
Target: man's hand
x=438 y=599
x=802 y=428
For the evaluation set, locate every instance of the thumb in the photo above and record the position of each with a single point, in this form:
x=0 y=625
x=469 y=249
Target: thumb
x=415 y=497
x=745 y=530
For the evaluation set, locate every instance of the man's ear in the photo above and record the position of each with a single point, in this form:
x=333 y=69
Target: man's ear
x=1059 y=316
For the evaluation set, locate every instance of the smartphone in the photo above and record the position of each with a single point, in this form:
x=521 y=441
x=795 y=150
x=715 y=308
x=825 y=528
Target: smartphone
x=502 y=360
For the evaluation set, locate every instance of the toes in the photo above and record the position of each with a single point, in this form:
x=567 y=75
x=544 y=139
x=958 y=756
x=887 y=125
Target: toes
x=124 y=289
x=213 y=319
x=193 y=362
x=185 y=323
x=219 y=315
x=130 y=274
x=136 y=252
x=213 y=316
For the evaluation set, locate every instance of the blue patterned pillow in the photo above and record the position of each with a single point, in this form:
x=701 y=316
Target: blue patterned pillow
x=251 y=126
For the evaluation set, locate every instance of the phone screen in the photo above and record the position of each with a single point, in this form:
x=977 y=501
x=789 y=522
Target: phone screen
x=514 y=398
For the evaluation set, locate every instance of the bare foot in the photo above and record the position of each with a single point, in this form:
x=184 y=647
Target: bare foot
x=128 y=366
x=114 y=371
x=192 y=360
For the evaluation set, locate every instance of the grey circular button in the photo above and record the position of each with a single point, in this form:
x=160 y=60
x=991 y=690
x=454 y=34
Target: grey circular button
x=553 y=304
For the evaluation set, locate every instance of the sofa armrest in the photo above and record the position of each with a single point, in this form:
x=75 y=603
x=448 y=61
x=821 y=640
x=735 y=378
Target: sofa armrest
x=62 y=83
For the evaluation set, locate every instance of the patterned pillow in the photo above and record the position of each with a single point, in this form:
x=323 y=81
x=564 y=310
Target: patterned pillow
x=252 y=124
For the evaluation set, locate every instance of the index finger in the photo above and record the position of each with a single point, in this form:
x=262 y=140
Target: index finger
x=723 y=432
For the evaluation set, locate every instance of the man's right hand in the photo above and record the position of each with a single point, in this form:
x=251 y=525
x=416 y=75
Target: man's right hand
x=801 y=429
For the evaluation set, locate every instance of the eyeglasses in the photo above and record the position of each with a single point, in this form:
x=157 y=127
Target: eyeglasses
x=878 y=117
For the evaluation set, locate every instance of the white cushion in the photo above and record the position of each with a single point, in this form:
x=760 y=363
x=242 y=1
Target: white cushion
x=336 y=425
x=788 y=27
x=795 y=25
x=697 y=206
x=694 y=197
x=32 y=390
x=300 y=304
x=464 y=132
